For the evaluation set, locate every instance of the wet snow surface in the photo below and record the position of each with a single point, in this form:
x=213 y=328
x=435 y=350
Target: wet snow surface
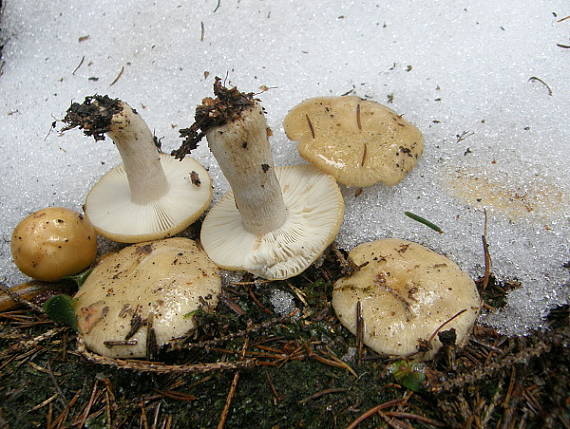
x=486 y=83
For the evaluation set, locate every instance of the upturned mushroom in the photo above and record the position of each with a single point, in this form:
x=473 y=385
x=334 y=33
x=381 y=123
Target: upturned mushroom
x=140 y=298
x=276 y=221
x=359 y=142
x=53 y=243
x=150 y=195
x=407 y=295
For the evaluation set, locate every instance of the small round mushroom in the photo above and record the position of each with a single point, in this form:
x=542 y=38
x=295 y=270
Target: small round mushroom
x=359 y=142
x=138 y=299
x=53 y=243
x=407 y=294
x=276 y=221
x=150 y=195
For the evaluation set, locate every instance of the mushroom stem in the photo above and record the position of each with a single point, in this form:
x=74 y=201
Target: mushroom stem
x=141 y=159
x=243 y=152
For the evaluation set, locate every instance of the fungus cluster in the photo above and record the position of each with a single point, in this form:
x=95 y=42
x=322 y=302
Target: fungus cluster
x=274 y=223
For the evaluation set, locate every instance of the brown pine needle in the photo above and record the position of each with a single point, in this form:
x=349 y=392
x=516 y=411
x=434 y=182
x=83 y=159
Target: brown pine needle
x=177 y=396
x=79 y=65
x=375 y=410
x=359 y=333
x=459 y=313
x=44 y=403
x=414 y=417
x=232 y=392
x=322 y=393
x=118 y=76
x=486 y=256
x=310 y=125
x=257 y=302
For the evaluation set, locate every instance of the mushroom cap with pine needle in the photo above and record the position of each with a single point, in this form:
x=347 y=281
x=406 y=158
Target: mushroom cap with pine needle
x=408 y=293
x=357 y=141
x=154 y=285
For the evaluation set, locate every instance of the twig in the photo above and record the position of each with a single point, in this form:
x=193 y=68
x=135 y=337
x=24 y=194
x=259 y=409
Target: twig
x=477 y=374
x=232 y=392
x=537 y=79
x=243 y=333
x=160 y=368
x=118 y=76
x=17 y=298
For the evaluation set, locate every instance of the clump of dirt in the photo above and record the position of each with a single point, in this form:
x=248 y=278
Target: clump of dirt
x=213 y=112
x=93 y=116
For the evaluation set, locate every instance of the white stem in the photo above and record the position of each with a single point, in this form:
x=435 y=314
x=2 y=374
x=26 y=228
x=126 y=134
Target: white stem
x=141 y=160
x=244 y=155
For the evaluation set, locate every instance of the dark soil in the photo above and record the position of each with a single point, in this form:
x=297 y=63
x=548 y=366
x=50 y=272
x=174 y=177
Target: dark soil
x=93 y=116
x=296 y=379
x=228 y=106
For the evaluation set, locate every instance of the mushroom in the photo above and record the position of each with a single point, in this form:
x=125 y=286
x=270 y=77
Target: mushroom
x=276 y=221
x=407 y=294
x=53 y=243
x=359 y=142
x=151 y=195
x=138 y=299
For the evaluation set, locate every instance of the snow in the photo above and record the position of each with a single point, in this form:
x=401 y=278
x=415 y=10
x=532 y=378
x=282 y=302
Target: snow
x=486 y=83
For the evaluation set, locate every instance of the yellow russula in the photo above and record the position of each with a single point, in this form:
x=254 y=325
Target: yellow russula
x=359 y=142
x=53 y=243
x=144 y=295
x=407 y=293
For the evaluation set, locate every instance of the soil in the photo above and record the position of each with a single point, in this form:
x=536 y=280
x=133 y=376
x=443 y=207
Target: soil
x=93 y=116
x=228 y=106
x=246 y=365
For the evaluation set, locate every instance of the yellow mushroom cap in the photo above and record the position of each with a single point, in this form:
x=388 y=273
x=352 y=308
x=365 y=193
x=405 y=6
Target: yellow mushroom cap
x=53 y=243
x=153 y=285
x=407 y=292
x=359 y=142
